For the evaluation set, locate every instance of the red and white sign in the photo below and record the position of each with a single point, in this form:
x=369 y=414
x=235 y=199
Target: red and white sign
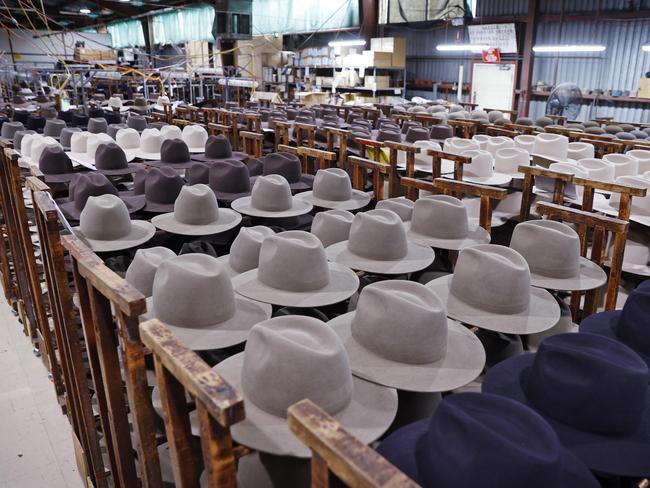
x=492 y=55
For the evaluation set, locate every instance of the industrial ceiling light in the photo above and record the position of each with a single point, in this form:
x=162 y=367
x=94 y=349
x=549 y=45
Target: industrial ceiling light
x=570 y=48
x=646 y=47
x=475 y=48
x=84 y=10
x=350 y=42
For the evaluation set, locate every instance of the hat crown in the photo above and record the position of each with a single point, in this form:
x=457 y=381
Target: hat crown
x=94 y=141
x=378 y=234
x=142 y=270
x=403 y=207
x=97 y=125
x=456 y=145
x=196 y=205
x=332 y=184
x=519 y=448
x=174 y=151
x=598 y=169
x=230 y=176
x=137 y=122
x=482 y=164
x=54 y=161
x=245 y=249
x=550 y=248
x=110 y=156
x=389 y=135
x=402 y=321
x=171 y=132
x=195 y=136
x=271 y=193
x=284 y=164
x=639 y=204
x=162 y=185
x=87 y=185
x=417 y=134
x=218 y=147
x=632 y=324
x=525 y=141
x=496 y=143
x=290 y=358
x=590 y=382
x=440 y=216
x=508 y=160
x=151 y=141
x=579 y=150
x=19 y=136
x=105 y=217
x=128 y=138
x=493 y=278
x=39 y=145
x=198 y=173
x=294 y=261
x=27 y=142
x=553 y=145
x=53 y=127
x=193 y=290
x=332 y=226
x=66 y=135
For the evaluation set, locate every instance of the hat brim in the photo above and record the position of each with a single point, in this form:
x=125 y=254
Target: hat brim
x=196 y=149
x=342 y=285
x=463 y=361
x=244 y=206
x=154 y=207
x=130 y=169
x=228 y=219
x=141 y=232
x=590 y=276
x=202 y=158
x=417 y=258
x=149 y=156
x=60 y=178
x=606 y=208
x=306 y=182
x=476 y=235
x=163 y=164
x=496 y=179
x=446 y=166
x=618 y=455
x=220 y=335
x=359 y=199
x=542 y=313
x=368 y=415
x=133 y=204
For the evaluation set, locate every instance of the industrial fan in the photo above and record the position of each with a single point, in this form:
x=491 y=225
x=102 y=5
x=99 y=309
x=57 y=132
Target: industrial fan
x=565 y=99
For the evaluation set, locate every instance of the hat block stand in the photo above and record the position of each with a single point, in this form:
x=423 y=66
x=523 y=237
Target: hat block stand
x=338 y=456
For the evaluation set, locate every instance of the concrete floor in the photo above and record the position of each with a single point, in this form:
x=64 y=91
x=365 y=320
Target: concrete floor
x=35 y=442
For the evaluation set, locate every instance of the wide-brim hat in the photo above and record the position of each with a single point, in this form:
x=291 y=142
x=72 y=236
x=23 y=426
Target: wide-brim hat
x=219 y=335
x=476 y=235
x=306 y=182
x=604 y=206
x=463 y=362
x=162 y=164
x=590 y=276
x=495 y=179
x=244 y=206
x=417 y=258
x=141 y=232
x=134 y=203
x=358 y=199
x=240 y=156
x=227 y=219
x=542 y=312
x=367 y=416
x=623 y=455
x=342 y=285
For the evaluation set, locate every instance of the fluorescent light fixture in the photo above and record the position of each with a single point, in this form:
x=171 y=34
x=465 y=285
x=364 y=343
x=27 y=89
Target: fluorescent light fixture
x=475 y=48
x=84 y=10
x=646 y=47
x=351 y=42
x=570 y=48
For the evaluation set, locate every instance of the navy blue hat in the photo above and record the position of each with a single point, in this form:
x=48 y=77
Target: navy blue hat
x=484 y=440
x=593 y=391
x=630 y=325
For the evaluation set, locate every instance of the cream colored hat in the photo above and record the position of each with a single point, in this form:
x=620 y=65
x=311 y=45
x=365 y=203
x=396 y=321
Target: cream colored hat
x=598 y=169
x=623 y=165
x=150 y=143
x=580 y=150
x=457 y=145
x=423 y=160
x=195 y=137
x=508 y=160
x=551 y=146
x=171 y=132
x=496 y=143
x=643 y=157
x=482 y=140
x=525 y=142
x=640 y=211
x=481 y=169
x=129 y=141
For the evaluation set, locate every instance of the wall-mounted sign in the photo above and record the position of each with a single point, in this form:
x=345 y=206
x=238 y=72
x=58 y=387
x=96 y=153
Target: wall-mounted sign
x=491 y=55
x=501 y=36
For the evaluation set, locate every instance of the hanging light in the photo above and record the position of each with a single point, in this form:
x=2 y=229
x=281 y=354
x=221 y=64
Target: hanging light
x=84 y=10
x=349 y=42
x=475 y=48
x=570 y=48
x=645 y=47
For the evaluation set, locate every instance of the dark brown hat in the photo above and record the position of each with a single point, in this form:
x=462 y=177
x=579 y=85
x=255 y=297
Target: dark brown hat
x=416 y=134
x=110 y=160
x=161 y=188
x=174 y=153
x=230 y=180
x=218 y=148
x=441 y=132
x=55 y=165
x=289 y=166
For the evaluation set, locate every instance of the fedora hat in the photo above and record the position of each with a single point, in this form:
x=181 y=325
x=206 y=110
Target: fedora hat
x=171 y=132
x=229 y=179
x=384 y=135
x=497 y=143
x=27 y=141
x=18 y=139
x=160 y=187
x=418 y=133
x=481 y=169
x=289 y=166
x=628 y=325
x=441 y=221
x=129 y=140
x=491 y=289
x=92 y=143
x=9 y=129
x=293 y=271
x=218 y=148
x=97 y=125
x=333 y=189
x=378 y=244
x=93 y=184
x=551 y=146
x=55 y=165
x=139 y=104
x=196 y=213
x=498 y=441
x=245 y=250
x=598 y=169
x=160 y=103
x=400 y=336
x=66 y=136
x=115 y=103
x=137 y=122
x=422 y=159
x=636 y=259
x=332 y=226
x=624 y=165
x=290 y=358
x=552 y=251
x=457 y=145
x=572 y=192
x=150 y=145
x=508 y=160
x=580 y=150
x=640 y=206
x=606 y=420
x=525 y=142
x=111 y=160
x=142 y=269
x=174 y=153
x=113 y=129
x=53 y=128
x=195 y=137
x=643 y=157
x=482 y=140
x=271 y=198
x=402 y=206
x=193 y=295
x=105 y=225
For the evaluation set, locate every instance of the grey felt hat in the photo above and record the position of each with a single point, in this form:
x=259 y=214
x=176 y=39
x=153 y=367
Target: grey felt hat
x=332 y=226
x=245 y=250
x=9 y=129
x=161 y=187
x=66 y=135
x=53 y=128
x=218 y=148
x=97 y=125
x=111 y=160
x=271 y=198
x=402 y=206
x=333 y=190
x=113 y=129
x=137 y=122
x=142 y=270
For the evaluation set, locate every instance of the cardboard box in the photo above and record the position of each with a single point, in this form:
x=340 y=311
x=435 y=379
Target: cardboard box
x=380 y=82
x=644 y=88
x=377 y=59
x=394 y=45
